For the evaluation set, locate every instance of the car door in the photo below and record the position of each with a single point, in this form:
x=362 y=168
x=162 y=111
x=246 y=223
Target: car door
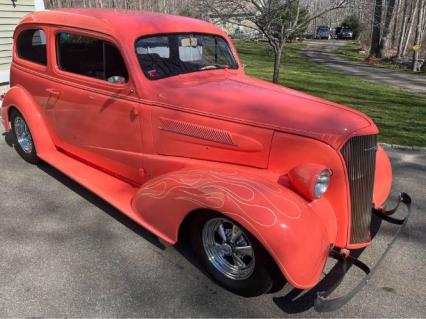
x=92 y=105
x=30 y=61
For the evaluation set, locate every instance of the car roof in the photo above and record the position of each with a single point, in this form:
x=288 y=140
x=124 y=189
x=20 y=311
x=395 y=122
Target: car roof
x=123 y=24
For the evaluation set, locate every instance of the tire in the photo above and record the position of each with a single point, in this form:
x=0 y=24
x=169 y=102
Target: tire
x=260 y=275
x=22 y=138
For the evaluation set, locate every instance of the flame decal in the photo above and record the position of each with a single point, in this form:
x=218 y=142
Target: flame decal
x=259 y=202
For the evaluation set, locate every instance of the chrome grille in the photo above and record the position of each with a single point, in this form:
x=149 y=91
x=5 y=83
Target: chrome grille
x=360 y=157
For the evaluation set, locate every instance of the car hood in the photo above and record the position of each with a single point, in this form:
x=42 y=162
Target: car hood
x=247 y=100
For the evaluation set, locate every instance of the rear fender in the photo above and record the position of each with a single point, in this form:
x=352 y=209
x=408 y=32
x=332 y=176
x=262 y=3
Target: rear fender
x=283 y=222
x=19 y=98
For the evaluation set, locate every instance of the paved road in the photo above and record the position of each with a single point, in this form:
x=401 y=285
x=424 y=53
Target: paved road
x=321 y=52
x=65 y=252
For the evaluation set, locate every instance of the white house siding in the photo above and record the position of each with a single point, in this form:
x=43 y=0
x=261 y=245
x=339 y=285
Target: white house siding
x=9 y=18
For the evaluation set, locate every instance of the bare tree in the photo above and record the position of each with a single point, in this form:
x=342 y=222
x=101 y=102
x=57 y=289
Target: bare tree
x=165 y=6
x=377 y=29
x=404 y=23
x=396 y=25
x=396 y=22
x=421 y=13
x=277 y=20
x=386 y=34
x=410 y=26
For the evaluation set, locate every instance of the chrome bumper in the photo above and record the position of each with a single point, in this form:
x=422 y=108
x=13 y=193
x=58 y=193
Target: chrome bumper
x=325 y=304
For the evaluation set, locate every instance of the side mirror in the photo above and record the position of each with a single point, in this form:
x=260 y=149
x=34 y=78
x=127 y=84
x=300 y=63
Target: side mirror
x=117 y=79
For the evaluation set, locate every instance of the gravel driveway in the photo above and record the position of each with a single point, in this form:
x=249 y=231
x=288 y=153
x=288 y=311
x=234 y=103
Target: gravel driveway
x=322 y=52
x=65 y=252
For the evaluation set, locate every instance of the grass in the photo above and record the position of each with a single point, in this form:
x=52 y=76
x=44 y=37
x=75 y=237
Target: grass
x=350 y=51
x=400 y=115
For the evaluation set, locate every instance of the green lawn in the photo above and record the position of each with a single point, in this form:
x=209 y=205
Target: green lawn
x=350 y=51
x=400 y=115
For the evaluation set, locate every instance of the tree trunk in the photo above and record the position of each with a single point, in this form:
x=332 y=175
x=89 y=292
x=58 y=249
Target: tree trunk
x=418 y=38
x=377 y=26
x=384 y=40
x=410 y=27
x=277 y=63
x=396 y=23
x=423 y=22
x=405 y=20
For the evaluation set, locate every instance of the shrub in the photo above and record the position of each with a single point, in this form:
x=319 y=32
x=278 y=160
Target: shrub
x=354 y=23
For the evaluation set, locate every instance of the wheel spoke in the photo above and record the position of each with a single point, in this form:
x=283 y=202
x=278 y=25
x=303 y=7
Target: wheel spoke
x=245 y=250
x=217 y=248
x=23 y=135
x=235 y=260
x=238 y=261
x=221 y=232
x=236 y=232
x=19 y=129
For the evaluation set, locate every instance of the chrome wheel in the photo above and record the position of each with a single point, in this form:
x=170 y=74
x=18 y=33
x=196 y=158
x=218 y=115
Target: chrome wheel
x=228 y=248
x=23 y=135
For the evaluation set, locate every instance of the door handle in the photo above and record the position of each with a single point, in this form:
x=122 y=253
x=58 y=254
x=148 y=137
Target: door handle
x=52 y=98
x=53 y=92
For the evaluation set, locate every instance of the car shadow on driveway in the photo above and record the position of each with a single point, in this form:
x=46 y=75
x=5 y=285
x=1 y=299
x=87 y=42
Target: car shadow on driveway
x=8 y=138
x=94 y=199
x=101 y=204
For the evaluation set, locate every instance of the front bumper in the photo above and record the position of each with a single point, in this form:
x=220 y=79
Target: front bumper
x=325 y=304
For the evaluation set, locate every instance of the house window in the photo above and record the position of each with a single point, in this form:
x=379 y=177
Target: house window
x=31 y=46
x=90 y=57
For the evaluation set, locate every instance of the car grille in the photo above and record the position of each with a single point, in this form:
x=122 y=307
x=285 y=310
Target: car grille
x=360 y=157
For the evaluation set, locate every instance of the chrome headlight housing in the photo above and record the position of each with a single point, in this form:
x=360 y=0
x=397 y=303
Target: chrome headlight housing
x=310 y=180
x=322 y=183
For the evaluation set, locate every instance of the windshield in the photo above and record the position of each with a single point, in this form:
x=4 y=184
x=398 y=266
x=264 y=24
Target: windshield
x=174 y=54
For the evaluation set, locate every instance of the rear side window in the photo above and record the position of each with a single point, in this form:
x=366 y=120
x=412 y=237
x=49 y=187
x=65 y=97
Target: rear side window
x=31 y=46
x=90 y=57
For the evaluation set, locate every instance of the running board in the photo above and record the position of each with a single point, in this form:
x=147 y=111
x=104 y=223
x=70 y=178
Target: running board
x=111 y=189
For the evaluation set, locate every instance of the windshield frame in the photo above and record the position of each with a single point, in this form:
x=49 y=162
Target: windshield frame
x=228 y=43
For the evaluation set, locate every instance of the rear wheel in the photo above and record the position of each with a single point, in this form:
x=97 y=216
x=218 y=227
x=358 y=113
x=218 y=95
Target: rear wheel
x=232 y=256
x=22 y=138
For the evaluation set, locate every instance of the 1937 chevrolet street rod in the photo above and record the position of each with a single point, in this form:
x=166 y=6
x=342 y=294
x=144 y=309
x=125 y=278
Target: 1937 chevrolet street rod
x=155 y=114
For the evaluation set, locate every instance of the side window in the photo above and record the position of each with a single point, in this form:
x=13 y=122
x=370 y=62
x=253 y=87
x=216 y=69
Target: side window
x=31 y=46
x=90 y=57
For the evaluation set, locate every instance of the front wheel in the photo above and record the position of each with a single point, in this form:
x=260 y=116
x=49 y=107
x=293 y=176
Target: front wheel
x=232 y=256
x=22 y=138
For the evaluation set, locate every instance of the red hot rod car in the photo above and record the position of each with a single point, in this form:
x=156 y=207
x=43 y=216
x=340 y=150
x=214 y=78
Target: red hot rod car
x=155 y=114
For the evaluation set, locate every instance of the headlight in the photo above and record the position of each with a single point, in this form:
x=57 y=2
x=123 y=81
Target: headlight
x=322 y=183
x=310 y=180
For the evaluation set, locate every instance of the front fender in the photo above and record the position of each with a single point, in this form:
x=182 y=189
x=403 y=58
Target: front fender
x=19 y=98
x=283 y=222
x=382 y=178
